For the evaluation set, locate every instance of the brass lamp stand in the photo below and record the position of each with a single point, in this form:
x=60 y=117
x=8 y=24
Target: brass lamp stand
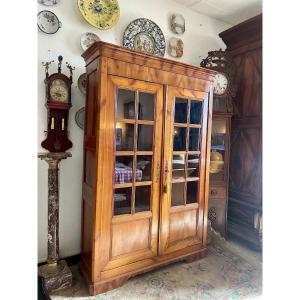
x=55 y=274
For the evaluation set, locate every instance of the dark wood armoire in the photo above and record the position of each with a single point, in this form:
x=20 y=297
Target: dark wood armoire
x=244 y=43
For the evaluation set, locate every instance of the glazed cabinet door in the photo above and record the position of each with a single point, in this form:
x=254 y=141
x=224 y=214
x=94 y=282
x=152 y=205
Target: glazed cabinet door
x=184 y=166
x=134 y=112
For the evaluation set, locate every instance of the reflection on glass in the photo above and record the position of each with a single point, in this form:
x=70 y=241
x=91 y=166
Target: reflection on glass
x=126 y=104
x=142 y=198
x=123 y=169
x=122 y=201
x=179 y=143
x=144 y=168
x=180 y=110
x=192 y=191
x=194 y=139
x=218 y=135
x=146 y=106
x=178 y=166
x=219 y=104
x=193 y=165
x=145 y=137
x=124 y=137
x=177 y=197
x=195 y=112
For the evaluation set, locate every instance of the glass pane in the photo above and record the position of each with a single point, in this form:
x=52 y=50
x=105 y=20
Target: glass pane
x=194 y=139
x=177 y=194
x=142 y=198
x=179 y=143
x=192 y=192
x=218 y=135
x=126 y=104
x=124 y=137
x=145 y=136
x=146 y=106
x=122 y=201
x=219 y=105
x=195 y=112
x=123 y=169
x=178 y=166
x=144 y=168
x=180 y=110
x=193 y=165
x=217 y=164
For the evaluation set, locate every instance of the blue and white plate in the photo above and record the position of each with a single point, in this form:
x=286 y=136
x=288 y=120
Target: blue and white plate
x=144 y=35
x=48 y=2
x=48 y=22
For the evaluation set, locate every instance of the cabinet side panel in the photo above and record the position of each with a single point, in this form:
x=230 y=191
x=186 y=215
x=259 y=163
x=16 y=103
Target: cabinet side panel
x=90 y=168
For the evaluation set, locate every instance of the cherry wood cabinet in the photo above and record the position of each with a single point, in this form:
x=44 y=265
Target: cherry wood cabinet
x=146 y=164
x=244 y=43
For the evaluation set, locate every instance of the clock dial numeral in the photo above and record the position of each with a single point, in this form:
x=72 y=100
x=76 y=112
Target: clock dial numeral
x=220 y=84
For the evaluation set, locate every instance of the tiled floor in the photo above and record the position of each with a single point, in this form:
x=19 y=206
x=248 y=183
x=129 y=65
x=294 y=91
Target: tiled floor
x=230 y=271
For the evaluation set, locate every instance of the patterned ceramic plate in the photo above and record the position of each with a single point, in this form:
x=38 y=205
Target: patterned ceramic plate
x=175 y=47
x=48 y=22
x=102 y=14
x=82 y=83
x=79 y=117
x=144 y=35
x=178 y=24
x=48 y=2
x=88 y=39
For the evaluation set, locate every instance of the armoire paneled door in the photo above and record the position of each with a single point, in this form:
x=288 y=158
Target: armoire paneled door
x=185 y=142
x=146 y=164
x=136 y=120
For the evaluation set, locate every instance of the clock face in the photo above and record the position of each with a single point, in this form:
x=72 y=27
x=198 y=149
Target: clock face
x=220 y=84
x=59 y=91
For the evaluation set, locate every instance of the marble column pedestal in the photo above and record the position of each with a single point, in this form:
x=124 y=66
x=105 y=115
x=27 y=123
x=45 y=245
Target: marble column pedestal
x=55 y=274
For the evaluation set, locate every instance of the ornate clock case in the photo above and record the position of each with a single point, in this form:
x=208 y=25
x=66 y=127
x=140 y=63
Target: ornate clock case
x=224 y=90
x=58 y=103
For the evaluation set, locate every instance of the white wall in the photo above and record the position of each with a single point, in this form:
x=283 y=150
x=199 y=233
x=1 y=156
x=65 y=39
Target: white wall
x=200 y=37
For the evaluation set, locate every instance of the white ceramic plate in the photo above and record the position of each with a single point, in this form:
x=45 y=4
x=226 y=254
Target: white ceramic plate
x=177 y=24
x=175 y=47
x=48 y=22
x=88 y=39
x=48 y=2
x=82 y=83
x=79 y=117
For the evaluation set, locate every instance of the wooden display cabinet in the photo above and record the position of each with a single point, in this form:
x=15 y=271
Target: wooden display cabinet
x=146 y=164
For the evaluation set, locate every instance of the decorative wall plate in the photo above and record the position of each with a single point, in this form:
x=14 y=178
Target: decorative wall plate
x=79 y=117
x=144 y=35
x=176 y=47
x=48 y=22
x=102 y=14
x=82 y=83
x=177 y=24
x=88 y=39
x=48 y=2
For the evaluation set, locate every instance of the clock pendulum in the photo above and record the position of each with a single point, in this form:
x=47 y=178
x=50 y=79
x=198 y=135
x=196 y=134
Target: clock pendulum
x=56 y=274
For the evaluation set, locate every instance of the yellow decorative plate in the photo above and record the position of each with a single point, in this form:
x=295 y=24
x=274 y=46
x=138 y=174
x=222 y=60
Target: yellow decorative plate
x=102 y=14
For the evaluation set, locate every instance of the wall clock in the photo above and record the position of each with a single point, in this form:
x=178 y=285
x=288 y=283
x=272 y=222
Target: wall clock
x=58 y=104
x=224 y=85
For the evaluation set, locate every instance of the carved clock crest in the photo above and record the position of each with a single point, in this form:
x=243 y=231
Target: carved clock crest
x=224 y=85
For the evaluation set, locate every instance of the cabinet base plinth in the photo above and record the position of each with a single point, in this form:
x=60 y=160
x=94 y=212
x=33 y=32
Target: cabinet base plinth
x=116 y=282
